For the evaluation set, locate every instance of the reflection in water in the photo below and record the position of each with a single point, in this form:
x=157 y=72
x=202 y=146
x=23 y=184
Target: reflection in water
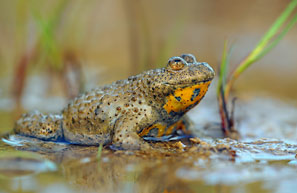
x=120 y=171
x=202 y=165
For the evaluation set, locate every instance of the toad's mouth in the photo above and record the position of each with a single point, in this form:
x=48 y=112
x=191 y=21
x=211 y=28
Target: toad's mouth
x=189 y=83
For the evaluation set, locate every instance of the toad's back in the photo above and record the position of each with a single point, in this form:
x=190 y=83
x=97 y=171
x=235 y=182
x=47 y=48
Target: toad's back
x=149 y=104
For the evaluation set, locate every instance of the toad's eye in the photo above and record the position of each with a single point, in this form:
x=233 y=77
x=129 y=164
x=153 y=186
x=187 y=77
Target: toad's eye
x=189 y=58
x=176 y=63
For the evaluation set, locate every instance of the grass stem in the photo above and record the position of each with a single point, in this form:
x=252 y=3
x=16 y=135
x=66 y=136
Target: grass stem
x=268 y=41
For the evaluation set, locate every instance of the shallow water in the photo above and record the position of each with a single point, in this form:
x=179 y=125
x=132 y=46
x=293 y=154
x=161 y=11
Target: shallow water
x=208 y=164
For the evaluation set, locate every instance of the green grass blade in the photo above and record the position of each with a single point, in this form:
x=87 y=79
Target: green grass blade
x=222 y=68
x=262 y=47
x=223 y=71
x=99 y=152
x=278 y=38
x=265 y=40
x=228 y=62
x=47 y=40
x=99 y=156
x=47 y=28
x=275 y=27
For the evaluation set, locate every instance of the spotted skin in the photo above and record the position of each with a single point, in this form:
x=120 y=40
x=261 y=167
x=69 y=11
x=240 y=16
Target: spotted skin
x=151 y=104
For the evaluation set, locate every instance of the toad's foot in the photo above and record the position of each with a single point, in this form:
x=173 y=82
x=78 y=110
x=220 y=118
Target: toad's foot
x=36 y=124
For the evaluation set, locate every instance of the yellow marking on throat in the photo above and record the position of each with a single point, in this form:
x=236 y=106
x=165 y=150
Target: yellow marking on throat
x=182 y=98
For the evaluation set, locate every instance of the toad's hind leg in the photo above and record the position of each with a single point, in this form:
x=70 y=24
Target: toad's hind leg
x=41 y=126
x=126 y=137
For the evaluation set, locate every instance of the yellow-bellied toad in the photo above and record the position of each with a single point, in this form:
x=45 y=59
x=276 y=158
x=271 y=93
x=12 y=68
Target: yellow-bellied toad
x=148 y=105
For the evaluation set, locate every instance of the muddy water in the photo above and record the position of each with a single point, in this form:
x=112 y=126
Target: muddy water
x=263 y=160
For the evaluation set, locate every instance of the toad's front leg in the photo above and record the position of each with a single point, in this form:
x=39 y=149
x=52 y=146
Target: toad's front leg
x=125 y=135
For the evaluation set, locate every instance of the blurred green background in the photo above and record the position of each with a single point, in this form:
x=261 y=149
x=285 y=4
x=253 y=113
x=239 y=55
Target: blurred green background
x=59 y=48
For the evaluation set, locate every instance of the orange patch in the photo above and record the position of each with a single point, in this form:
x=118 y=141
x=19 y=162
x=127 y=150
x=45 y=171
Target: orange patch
x=178 y=126
x=185 y=97
x=161 y=130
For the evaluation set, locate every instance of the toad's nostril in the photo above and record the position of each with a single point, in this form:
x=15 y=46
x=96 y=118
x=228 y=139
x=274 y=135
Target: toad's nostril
x=206 y=70
x=208 y=66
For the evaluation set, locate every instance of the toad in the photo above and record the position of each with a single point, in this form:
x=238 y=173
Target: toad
x=127 y=113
